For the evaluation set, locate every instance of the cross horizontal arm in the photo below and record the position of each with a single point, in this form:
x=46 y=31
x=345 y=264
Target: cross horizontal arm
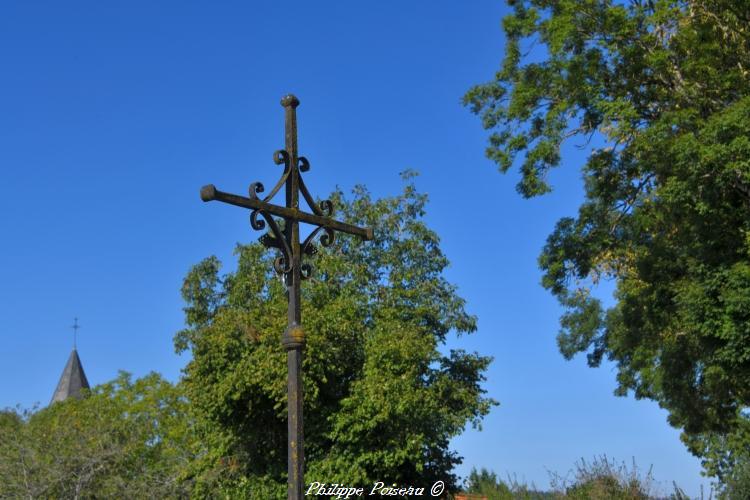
x=210 y=193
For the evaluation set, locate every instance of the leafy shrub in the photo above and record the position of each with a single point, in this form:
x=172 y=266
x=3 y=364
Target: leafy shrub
x=603 y=478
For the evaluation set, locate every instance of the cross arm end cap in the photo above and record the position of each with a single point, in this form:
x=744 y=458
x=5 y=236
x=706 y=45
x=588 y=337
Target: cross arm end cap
x=370 y=234
x=208 y=192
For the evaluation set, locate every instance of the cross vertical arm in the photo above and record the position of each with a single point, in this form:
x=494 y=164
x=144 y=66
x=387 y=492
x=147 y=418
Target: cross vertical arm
x=293 y=339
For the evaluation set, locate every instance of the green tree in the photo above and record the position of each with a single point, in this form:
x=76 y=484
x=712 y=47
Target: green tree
x=665 y=85
x=123 y=439
x=737 y=483
x=381 y=400
x=486 y=483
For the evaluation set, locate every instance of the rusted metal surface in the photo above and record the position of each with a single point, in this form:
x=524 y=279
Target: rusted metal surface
x=290 y=264
x=210 y=193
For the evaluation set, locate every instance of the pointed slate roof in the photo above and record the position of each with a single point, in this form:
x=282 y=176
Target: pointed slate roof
x=72 y=380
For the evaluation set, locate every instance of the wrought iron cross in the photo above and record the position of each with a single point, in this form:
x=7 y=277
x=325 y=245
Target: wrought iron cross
x=290 y=264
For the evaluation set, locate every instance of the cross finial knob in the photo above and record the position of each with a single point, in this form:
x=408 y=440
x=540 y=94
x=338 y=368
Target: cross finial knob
x=289 y=100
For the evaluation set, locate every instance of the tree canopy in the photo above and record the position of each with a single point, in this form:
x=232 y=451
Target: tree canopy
x=123 y=439
x=486 y=483
x=382 y=400
x=665 y=85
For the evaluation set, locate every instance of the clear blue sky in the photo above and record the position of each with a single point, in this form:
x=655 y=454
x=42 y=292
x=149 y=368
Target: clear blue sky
x=112 y=115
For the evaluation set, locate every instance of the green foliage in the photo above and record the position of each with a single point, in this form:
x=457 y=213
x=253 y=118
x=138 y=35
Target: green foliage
x=123 y=439
x=737 y=483
x=486 y=483
x=603 y=478
x=599 y=479
x=667 y=211
x=381 y=400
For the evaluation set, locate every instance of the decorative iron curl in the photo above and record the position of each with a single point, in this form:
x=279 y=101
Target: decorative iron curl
x=254 y=222
x=286 y=252
x=323 y=209
x=283 y=263
x=255 y=189
x=308 y=247
x=326 y=206
x=281 y=156
x=328 y=238
x=280 y=265
x=303 y=164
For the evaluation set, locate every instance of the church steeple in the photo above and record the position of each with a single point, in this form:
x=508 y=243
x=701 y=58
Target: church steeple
x=73 y=378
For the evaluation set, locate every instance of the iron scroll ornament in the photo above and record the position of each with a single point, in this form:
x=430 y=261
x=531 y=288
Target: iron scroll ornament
x=263 y=211
x=283 y=264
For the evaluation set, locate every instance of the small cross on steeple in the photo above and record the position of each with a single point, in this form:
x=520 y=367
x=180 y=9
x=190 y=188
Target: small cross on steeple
x=75 y=328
